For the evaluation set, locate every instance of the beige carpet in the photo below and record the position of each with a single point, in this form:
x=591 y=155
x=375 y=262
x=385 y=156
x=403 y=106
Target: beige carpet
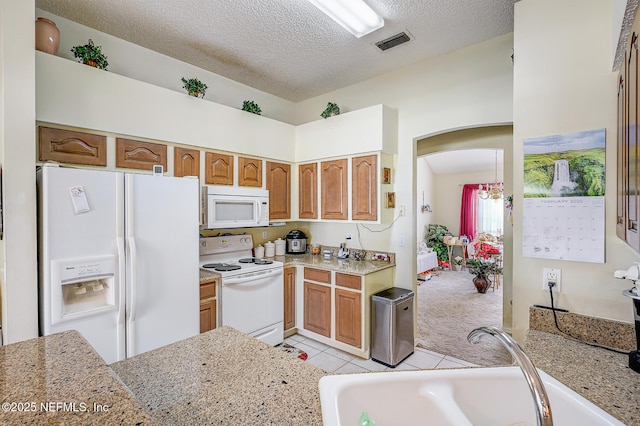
x=449 y=307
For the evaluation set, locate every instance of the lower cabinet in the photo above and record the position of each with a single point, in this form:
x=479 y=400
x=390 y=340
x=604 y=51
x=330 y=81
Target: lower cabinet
x=317 y=308
x=208 y=306
x=289 y=298
x=348 y=317
x=336 y=307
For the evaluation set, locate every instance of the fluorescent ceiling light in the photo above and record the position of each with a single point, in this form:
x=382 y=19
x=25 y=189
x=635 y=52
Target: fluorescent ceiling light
x=354 y=15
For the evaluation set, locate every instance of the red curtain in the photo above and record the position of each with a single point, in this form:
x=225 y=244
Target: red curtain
x=468 y=210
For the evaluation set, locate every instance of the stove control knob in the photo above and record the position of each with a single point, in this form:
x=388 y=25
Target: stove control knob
x=245 y=240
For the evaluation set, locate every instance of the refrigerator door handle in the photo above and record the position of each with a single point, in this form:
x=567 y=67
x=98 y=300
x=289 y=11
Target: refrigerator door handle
x=121 y=346
x=131 y=266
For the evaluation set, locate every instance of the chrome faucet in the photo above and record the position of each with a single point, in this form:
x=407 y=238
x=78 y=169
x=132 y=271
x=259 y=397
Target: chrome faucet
x=543 y=409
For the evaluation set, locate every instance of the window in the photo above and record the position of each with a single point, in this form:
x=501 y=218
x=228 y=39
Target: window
x=490 y=216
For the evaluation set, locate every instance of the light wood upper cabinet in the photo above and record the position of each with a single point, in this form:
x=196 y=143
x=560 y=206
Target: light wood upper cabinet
x=186 y=162
x=334 y=189
x=132 y=154
x=289 y=298
x=364 y=200
x=67 y=146
x=308 y=191
x=279 y=186
x=250 y=172
x=218 y=168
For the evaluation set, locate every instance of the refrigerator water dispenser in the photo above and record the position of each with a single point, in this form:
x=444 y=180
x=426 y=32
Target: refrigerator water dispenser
x=82 y=288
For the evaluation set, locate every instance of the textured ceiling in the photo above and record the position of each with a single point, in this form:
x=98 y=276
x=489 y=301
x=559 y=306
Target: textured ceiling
x=288 y=47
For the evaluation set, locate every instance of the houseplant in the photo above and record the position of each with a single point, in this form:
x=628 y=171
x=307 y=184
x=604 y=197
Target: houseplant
x=481 y=269
x=194 y=87
x=251 y=106
x=435 y=239
x=331 y=110
x=91 y=55
x=457 y=262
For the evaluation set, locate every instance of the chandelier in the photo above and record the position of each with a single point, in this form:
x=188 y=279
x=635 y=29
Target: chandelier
x=492 y=191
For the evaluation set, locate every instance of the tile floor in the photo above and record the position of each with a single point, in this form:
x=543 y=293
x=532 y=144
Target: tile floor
x=336 y=361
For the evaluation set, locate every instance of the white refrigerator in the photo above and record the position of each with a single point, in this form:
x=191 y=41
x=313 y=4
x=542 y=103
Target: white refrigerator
x=118 y=258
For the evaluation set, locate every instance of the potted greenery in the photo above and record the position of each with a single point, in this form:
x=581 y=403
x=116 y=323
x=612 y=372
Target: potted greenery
x=194 y=87
x=435 y=239
x=457 y=262
x=331 y=110
x=481 y=269
x=251 y=106
x=91 y=55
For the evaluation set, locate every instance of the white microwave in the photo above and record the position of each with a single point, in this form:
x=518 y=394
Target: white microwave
x=234 y=207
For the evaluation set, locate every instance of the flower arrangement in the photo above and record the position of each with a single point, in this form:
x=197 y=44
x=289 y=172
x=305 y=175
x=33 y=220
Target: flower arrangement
x=251 y=106
x=194 y=87
x=508 y=203
x=90 y=54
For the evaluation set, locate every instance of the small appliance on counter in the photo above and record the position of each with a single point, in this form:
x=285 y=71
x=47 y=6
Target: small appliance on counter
x=296 y=242
x=343 y=253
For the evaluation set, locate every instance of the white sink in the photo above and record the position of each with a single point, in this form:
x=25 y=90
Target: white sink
x=457 y=397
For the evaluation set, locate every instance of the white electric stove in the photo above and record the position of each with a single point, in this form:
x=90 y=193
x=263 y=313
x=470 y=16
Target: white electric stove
x=251 y=299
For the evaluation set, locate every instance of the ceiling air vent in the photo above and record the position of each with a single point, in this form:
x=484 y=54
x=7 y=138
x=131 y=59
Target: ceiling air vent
x=393 y=41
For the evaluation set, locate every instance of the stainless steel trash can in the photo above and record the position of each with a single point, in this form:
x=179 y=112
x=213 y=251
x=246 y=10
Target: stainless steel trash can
x=392 y=334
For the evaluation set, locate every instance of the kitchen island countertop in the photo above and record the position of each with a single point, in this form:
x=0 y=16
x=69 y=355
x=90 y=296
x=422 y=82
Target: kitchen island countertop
x=60 y=379
x=223 y=377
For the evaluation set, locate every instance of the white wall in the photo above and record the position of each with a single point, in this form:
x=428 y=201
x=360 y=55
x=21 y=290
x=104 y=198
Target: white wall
x=425 y=186
x=468 y=88
x=448 y=194
x=146 y=65
x=17 y=147
x=563 y=83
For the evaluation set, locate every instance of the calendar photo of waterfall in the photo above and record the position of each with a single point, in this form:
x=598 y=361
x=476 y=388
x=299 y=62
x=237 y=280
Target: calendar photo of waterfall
x=565 y=165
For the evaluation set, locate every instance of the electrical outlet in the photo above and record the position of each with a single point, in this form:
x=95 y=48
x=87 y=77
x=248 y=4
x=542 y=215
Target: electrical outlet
x=402 y=210
x=349 y=236
x=552 y=275
x=264 y=235
x=401 y=240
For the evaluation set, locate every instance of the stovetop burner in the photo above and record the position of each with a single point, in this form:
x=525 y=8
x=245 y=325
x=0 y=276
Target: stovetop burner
x=221 y=267
x=256 y=261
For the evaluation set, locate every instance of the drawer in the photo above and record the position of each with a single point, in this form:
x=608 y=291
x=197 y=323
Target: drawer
x=349 y=281
x=208 y=290
x=317 y=275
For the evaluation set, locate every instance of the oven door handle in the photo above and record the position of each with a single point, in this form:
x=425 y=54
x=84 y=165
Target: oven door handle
x=252 y=277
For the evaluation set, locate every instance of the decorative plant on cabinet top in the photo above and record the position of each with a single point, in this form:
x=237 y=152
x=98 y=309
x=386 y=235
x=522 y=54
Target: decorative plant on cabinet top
x=251 y=106
x=194 y=87
x=331 y=110
x=91 y=55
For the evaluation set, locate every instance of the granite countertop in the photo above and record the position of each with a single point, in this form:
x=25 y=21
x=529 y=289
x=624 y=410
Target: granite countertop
x=60 y=379
x=206 y=275
x=348 y=266
x=601 y=376
x=223 y=377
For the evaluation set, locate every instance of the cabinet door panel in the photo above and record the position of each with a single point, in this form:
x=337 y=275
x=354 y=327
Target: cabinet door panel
x=364 y=200
x=334 y=189
x=308 y=191
x=67 y=146
x=317 y=309
x=140 y=155
x=348 y=317
x=250 y=172
x=319 y=275
x=289 y=298
x=208 y=314
x=186 y=162
x=279 y=186
x=218 y=169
